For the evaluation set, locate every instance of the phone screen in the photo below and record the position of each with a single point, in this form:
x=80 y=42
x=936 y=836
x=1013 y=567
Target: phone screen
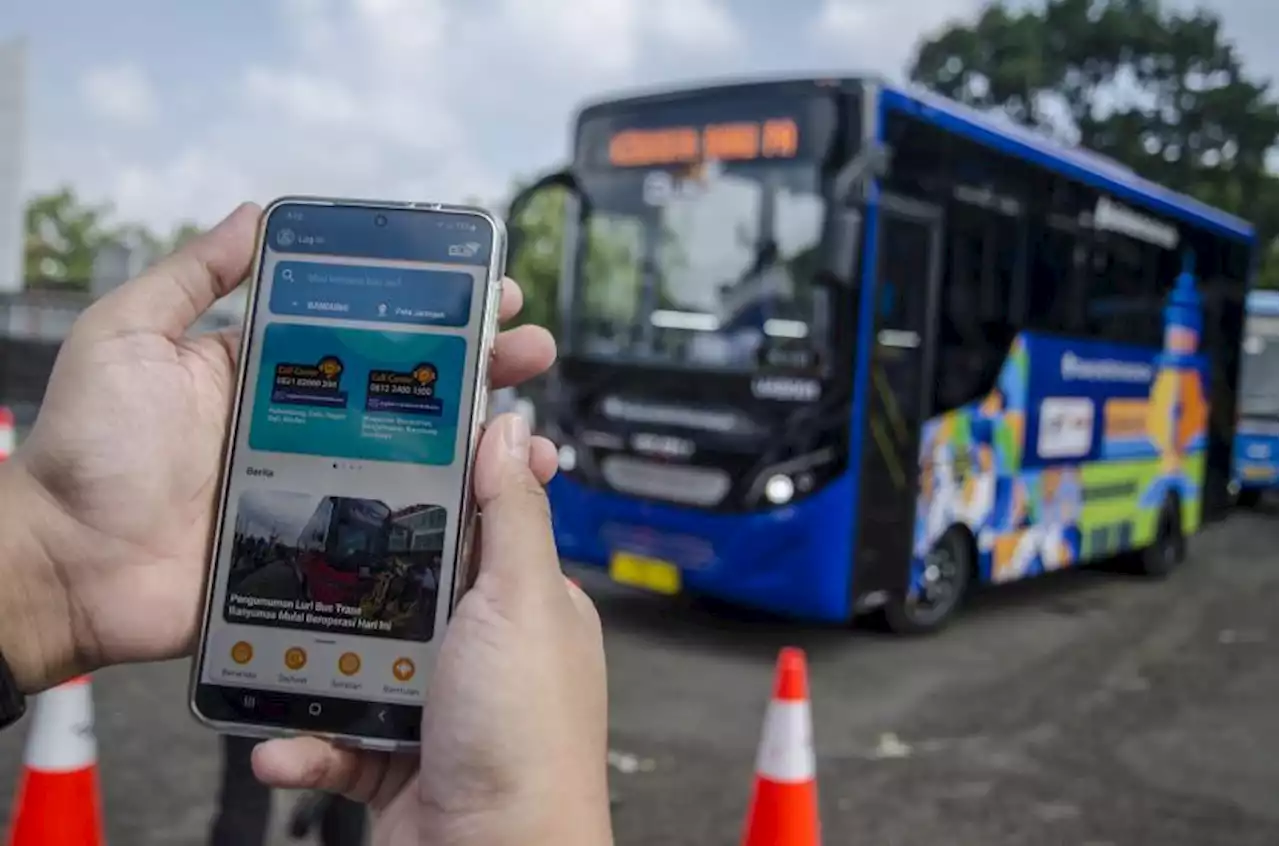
x=342 y=509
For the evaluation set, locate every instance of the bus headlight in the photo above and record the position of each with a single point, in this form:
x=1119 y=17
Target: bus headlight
x=568 y=458
x=779 y=489
x=781 y=483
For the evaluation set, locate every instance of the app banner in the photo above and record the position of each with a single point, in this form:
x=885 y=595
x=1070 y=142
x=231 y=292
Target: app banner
x=356 y=393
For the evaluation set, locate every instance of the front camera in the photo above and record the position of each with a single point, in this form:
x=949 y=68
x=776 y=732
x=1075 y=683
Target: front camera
x=380 y=220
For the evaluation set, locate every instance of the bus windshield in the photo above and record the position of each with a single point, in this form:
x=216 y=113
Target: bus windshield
x=1259 y=371
x=360 y=530
x=700 y=267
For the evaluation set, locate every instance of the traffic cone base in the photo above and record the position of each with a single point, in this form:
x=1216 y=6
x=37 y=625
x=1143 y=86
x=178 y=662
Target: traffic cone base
x=58 y=803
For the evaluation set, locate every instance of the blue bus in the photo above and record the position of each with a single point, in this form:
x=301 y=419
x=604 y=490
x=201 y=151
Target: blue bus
x=1257 y=451
x=833 y=347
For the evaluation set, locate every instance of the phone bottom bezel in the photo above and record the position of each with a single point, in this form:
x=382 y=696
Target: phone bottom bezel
x=286 y=714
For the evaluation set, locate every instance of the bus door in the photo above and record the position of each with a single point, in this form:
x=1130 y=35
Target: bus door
x=898 y=390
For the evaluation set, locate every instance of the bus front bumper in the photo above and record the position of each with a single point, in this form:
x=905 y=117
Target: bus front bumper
x=795 y=560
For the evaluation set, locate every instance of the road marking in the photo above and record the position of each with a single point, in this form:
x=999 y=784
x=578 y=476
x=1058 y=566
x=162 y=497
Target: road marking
x=890 y=747
x=628 y=764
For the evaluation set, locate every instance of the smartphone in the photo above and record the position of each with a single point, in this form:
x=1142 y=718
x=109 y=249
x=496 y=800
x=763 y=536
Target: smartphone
x=344 y=518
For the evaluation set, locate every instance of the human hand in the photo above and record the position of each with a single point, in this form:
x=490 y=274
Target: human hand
x=514 y=738
x=109 y=503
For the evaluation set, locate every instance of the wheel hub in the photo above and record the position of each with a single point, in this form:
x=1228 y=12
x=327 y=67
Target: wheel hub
x=939 y=572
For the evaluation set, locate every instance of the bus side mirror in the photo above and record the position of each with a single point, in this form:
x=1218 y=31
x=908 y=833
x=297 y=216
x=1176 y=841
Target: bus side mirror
x=515 y=235
x=848 y=189
x=845 y=234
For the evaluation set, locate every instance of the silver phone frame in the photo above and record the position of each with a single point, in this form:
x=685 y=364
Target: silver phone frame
x=463 y=562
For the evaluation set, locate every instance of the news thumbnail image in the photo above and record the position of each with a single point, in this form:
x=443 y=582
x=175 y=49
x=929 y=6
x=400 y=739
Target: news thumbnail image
x=336 y=564
x=356 y=393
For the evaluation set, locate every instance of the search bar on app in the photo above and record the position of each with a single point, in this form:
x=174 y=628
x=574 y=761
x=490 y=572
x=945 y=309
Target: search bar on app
x=372 y=293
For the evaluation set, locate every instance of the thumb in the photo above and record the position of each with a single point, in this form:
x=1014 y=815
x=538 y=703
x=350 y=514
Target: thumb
x=170 y=296
x=518 y=551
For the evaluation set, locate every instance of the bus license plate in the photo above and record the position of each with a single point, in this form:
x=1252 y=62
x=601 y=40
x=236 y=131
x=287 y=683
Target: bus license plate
x=649 y=573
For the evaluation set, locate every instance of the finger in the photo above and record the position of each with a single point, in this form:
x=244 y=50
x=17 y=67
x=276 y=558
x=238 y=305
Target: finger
x=544 y=459
x=519 y=354
x=171 y=295
x=309 y=763
x=512 y=299
x=544 y=462
x=519 y=551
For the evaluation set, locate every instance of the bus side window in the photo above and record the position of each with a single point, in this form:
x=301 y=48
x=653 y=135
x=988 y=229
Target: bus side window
x=1051 y=295
x=1123 y=291
x=974 y=323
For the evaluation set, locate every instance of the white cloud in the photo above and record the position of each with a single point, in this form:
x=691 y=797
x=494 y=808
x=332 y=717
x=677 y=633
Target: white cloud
x=881 y=35
x=165 y=192
x=596 y=37
x=310 y=99
x=435 y=99
x=696 y=24
x=422 y=99
x=120 y=92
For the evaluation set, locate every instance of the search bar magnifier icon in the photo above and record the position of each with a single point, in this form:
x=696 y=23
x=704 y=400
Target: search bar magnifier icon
x=287 y=274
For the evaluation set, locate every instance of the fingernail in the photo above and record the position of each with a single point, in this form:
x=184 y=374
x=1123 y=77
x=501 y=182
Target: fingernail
x=230 y=216
x=515 y=434
x=235 y=213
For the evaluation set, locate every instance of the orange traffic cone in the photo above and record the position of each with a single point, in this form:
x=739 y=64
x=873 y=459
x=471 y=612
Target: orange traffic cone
x=784 y=802
x=57 y=802
x=8 y=437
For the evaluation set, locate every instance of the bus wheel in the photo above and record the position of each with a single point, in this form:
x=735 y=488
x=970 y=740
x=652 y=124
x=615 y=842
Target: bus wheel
x=1169 y=546
x=948 y=572
x=1248 y=497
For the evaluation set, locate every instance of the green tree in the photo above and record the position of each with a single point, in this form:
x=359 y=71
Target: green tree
x=612 y=261
x=154 y=246
x=537 y=234
x=1160 y=91
x=63 y=236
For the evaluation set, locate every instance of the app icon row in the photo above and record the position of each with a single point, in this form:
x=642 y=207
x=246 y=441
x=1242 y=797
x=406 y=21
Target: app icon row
x=349 y=663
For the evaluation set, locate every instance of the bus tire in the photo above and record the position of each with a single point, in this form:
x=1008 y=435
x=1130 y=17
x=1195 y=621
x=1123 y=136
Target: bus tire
x=953 y=554
x=1169 y=547
x=1248 y=497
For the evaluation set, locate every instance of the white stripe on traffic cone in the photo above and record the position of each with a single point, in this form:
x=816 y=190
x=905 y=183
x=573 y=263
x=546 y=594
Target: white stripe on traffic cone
x=57 y=802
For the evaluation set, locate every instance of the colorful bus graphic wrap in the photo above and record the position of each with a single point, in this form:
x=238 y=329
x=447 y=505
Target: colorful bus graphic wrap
x=1073 y=454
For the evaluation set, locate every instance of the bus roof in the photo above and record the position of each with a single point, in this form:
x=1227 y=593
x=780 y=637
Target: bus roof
x=1075 y=162
x=653 y=95
x=1264 y=303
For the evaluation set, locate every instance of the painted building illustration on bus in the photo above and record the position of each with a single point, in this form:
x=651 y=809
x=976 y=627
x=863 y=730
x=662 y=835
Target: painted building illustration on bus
x=1072 y=454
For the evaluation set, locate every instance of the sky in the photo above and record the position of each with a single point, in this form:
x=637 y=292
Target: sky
x=178 y=111
x=275 y=513
x=283 y=513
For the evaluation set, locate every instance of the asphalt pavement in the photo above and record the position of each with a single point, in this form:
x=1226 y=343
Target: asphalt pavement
x=1086 y=708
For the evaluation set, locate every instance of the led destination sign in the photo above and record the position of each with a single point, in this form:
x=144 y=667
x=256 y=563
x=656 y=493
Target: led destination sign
x=775 y=138
x=730 y=129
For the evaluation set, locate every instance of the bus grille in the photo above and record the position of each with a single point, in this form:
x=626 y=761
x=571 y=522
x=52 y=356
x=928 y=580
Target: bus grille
x=705 y=486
